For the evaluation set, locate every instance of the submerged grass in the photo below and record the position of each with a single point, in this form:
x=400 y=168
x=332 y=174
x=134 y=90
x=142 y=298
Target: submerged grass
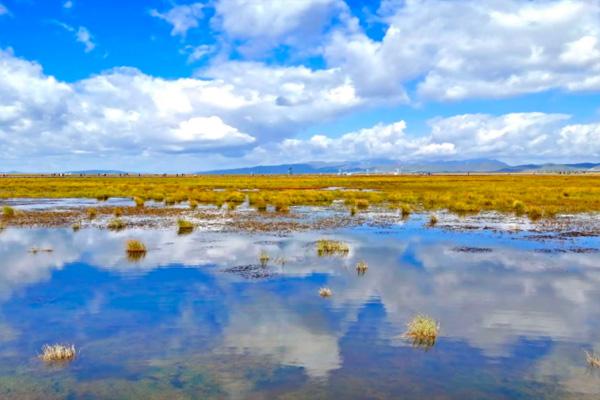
x=58 y=353
x=327 y=247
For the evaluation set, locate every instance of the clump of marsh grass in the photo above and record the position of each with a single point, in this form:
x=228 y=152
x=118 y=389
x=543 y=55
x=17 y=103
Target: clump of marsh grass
x=118 y=212
x=184 y=226
x=116 y=224
x=263 y=258
x=592 y=359
x=353 y=211
x=282 y=207
x=331 y=248
x=519 y=207
x=534 y=213
x=325 y=292
x=58 y=353
x=362 y=267
x=423 y=331
x=92 y=213
x=362 y=204
x=76 y=226
x=433 y=220
x=193 y=204
x=8 y=211
x=135 y=249
x=405 y=210
x=139 y=202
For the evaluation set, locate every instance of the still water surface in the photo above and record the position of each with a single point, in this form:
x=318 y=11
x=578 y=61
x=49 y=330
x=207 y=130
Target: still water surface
x=199 y=318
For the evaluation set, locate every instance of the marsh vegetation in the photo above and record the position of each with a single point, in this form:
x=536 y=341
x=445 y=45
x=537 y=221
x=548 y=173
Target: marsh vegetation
x=58 y=353
x=326 y=247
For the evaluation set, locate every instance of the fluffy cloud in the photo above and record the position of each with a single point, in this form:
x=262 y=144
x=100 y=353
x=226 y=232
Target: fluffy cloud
x=263 y=24
x=458 y=50
x=124 y=111
x=515 y=137
x=181 y=17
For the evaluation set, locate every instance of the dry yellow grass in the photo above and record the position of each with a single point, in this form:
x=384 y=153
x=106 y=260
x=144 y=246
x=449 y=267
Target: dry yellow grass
x=325 y=292
x=537 y=195
x=58 y=353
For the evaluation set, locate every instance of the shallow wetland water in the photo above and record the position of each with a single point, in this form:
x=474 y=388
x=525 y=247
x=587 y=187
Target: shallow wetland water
x=199 y=317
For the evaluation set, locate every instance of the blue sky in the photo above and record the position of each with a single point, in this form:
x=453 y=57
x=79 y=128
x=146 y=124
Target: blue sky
x=188 y=86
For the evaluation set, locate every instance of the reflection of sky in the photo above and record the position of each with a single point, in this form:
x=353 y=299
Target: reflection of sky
x=491 y=305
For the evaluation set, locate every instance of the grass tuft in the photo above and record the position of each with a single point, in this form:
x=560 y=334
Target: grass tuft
x=263 y=258
x=331 y=248
x=136 y=250
x=139 y=202
x=433 y=220
x=116 y=224
x=592 y=359
x=325 y=292
x=184 y=226
x=8 y=211
x=58 y=353
x=92 y=213
x=423 y=331
x=76 y=226
x=361 y=267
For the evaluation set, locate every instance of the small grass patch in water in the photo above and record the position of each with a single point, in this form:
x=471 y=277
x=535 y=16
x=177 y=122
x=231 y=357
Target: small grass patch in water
x=116 y=224
x=325 y=292
x=592 y=359
x=362 y=267
x=57 y=353
x=331 y=248
x=76 y=226
x=184 y=226
x=263 y=258
x=433 y=220
x=423 y=331
x=135 y=250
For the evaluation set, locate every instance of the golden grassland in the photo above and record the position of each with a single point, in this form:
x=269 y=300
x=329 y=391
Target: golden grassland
x=537 y=196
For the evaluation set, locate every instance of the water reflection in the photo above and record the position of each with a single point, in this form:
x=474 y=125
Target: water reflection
x=514 y=312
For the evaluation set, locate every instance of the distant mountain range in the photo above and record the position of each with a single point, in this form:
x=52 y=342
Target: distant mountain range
x=380 y=166
x=391 y=166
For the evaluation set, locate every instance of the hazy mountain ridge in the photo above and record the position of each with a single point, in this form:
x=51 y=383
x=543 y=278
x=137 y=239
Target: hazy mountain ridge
x=388 y=166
